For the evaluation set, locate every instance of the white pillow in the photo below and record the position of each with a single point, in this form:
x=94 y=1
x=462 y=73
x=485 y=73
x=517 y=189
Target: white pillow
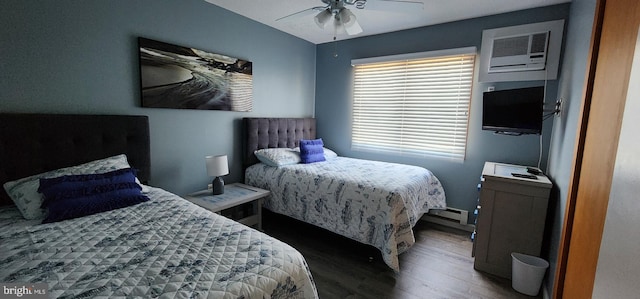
x=278 y=156
x=329 y=154
x=24 y=192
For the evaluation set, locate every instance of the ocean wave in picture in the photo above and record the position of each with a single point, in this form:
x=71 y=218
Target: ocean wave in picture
x=185 y=78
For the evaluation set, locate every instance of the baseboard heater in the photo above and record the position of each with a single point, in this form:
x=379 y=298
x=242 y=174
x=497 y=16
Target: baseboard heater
x=451 y=217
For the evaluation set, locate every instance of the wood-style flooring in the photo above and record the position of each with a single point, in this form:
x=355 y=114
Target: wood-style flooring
x=439 y=265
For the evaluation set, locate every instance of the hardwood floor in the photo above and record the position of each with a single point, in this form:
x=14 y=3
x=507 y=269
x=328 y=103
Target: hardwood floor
x=439 y=265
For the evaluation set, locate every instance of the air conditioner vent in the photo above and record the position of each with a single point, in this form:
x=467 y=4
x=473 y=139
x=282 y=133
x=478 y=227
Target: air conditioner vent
x=524 y=52
x=504 y=47
x=539 y=42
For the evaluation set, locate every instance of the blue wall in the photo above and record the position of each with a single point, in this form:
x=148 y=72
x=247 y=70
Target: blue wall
x=565 y=128
x=82 y=57
x=334 y=99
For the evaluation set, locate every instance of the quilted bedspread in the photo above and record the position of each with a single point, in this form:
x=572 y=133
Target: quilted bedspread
x=166 y=248
x=375 y=203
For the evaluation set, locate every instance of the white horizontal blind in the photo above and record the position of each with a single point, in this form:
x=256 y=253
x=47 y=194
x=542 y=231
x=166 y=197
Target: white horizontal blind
x=413 y=106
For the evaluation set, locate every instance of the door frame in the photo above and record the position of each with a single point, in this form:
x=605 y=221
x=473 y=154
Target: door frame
x=613 y=41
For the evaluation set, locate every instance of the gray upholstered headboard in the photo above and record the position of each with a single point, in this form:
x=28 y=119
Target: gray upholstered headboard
x=274 y=132
x=35 y=143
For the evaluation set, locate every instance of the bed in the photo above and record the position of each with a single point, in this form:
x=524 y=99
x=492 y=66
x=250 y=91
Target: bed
x=372 y=202
x=160 y=247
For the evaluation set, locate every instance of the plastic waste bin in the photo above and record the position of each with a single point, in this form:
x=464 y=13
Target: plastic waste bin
x=527 y=273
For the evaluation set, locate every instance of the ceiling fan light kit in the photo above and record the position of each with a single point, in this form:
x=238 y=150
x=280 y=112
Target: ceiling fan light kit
x=349 y=22
x=347 y=18
x=344 y=20
x=323 y=17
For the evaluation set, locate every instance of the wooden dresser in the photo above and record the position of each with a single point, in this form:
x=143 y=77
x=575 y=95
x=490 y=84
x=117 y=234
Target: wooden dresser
x=511 y=218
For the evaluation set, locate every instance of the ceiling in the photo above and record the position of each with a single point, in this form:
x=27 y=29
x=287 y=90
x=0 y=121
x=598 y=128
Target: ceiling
x=371 y=21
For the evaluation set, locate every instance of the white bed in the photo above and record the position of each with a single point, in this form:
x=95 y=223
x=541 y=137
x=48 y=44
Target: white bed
x=375 y=203
x=166 y=247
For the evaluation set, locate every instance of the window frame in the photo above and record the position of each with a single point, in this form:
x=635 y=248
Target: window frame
x=468 y=56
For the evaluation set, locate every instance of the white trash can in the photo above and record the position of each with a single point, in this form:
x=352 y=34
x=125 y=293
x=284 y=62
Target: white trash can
x=527 y=273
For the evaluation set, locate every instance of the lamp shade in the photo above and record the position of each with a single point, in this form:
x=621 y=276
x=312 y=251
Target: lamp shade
x=217 y=165
x=346 y=17
x=354 y=28
x=323 y=17
x=349 y=22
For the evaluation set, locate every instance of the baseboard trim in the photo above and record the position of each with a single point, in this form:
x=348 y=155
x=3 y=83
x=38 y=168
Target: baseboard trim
x=545 y=290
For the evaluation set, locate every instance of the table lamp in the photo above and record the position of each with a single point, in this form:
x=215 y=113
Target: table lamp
x=217 y=166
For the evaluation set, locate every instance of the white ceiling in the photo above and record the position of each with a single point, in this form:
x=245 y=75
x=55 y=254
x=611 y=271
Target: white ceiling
x=371 y=21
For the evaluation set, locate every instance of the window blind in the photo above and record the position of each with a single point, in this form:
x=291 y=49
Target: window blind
x=414 y=106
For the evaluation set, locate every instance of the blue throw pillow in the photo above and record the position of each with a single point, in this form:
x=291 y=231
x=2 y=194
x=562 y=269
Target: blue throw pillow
x=311 y=151
x=68 y=186
x=73 y=196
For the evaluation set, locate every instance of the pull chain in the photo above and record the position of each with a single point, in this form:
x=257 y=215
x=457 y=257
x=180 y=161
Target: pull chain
x=335 y=43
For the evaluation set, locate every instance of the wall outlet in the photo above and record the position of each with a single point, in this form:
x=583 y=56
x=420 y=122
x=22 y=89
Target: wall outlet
x=491 y=88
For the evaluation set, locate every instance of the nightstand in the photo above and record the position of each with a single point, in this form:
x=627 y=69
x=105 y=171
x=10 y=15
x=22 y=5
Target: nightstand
x=511 y=218
x=239 y=202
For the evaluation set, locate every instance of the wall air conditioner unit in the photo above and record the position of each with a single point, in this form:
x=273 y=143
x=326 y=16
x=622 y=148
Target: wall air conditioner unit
x=518 y=53
x=521 y=53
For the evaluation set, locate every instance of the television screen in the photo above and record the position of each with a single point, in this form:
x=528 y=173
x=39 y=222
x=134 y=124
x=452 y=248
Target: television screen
x=514 y=111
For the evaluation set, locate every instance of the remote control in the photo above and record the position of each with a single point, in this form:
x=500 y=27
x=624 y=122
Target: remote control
x=526 y=176
x=533 y=170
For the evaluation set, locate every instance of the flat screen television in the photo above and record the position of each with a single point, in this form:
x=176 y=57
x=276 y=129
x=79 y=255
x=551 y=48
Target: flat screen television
x=514 y=111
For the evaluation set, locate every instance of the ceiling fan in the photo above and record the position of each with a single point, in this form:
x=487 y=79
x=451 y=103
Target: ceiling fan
x=343 y=20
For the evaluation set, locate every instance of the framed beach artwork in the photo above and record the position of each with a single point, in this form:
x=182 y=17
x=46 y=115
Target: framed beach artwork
x=186 y=78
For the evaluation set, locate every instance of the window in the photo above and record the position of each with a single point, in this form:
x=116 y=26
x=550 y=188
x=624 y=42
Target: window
x=413 y=104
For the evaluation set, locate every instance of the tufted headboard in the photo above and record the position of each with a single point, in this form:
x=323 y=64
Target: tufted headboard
x=274 y=132
x=35 y=143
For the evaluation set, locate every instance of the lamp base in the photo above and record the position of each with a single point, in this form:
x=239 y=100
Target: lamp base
x=218 y=186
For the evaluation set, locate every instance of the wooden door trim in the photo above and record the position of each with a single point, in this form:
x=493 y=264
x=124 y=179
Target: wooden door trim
x=567 y=227
x=605 y=97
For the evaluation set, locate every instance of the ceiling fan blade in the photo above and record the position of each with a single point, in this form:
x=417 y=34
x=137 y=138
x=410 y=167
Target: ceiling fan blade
x=394 y=5
x=305 y=12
